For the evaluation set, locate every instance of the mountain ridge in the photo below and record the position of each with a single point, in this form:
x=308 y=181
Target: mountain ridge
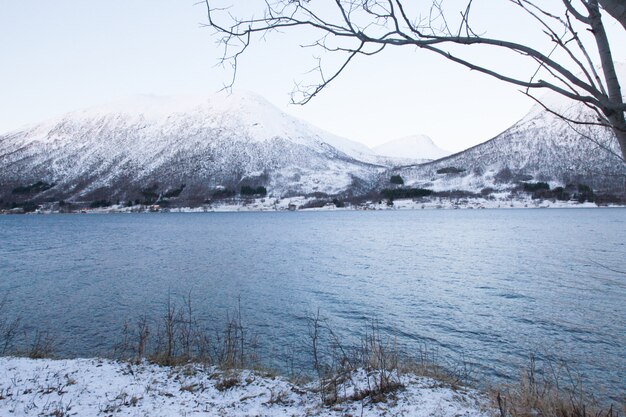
x=219 y=141
x=200 y=147
x=541 y=146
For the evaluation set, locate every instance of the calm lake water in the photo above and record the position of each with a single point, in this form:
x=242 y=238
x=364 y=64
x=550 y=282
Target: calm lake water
x=488 y=287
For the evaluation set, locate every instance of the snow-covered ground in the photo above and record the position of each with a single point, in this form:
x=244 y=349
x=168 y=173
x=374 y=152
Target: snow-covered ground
x=500 y=200
x=477 y=203
x=98 y=387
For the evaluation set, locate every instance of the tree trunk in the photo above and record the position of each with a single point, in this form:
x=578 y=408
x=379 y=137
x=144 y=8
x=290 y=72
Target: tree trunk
x=621 y=139
x=616 y=8
x=615 y=117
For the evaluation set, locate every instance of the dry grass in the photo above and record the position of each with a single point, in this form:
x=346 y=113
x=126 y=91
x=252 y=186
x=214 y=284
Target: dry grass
x=42 y=346
x=9 y=327
x=551 y=390
x=379 y=356
x=335 y=364
x=226 y=383
x=178 y=337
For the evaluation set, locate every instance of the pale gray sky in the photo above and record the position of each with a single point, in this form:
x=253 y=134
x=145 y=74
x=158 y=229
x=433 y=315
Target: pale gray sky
x=64 y=55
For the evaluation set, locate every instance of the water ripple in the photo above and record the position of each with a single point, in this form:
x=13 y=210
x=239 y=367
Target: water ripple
x=491 y=286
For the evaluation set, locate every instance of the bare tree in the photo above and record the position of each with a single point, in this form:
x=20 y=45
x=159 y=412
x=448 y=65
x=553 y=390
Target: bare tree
x=574 y=58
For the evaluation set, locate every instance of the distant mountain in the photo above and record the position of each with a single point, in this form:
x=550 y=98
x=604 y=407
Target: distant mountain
x=154 y=145
x=417 y=148
x=540 y=147
x=193 y=148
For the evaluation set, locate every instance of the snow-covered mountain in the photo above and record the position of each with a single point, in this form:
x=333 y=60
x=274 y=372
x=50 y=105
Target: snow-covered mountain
x=412 y=148
x=153 y=145
x=540 y=147
x=119 y=150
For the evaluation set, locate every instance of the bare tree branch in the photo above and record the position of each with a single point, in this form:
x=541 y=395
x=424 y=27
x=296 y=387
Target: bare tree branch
x=365 y=27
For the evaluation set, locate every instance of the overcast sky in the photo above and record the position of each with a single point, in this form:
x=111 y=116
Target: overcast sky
x=62 y=55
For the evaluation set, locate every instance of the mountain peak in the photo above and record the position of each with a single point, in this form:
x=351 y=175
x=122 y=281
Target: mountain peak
x=411 y=147
x=116 y=150
x=164 y=105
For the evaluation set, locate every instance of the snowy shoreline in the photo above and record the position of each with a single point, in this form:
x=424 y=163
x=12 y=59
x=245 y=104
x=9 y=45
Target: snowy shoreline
x=100 y=387
x=309 y=204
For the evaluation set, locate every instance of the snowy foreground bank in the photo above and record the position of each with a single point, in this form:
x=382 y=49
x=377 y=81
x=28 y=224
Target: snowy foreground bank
x=97 y=387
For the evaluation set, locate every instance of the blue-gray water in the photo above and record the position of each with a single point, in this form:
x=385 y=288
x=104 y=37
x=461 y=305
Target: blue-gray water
x=488 y=286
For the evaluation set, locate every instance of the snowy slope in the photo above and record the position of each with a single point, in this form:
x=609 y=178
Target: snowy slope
x=416 y=147
x=97 y=387
x=116 y=150
x=120 y=150
x=540 y=147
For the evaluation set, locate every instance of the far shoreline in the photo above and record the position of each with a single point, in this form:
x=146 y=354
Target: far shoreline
x=304 y=204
